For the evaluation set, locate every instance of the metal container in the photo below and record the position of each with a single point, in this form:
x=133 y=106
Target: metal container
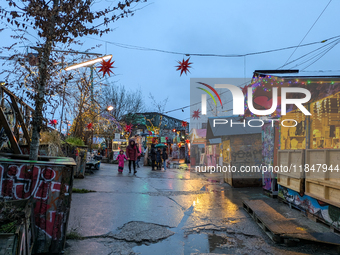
x=48 y=182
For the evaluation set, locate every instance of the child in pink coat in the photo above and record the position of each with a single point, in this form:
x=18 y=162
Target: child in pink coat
x=120 y=159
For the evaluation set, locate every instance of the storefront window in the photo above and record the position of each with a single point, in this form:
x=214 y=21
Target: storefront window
x=293 y=137
x=325 y=123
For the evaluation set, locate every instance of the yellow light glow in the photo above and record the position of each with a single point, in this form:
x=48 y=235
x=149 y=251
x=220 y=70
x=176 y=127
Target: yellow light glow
x=88 y=63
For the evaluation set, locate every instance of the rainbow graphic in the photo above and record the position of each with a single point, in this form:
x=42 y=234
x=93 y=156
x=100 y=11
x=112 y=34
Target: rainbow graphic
x=209 y=93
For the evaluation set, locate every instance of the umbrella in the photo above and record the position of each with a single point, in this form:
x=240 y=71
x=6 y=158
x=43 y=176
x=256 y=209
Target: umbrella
x=161 y=145
x=144 y=134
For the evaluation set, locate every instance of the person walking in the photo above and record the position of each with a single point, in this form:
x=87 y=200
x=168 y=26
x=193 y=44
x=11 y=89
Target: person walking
x=165 y=157
x=159 y=159
x=121 y=158
x=138 y=155
x=132 y=153
x=153 y=156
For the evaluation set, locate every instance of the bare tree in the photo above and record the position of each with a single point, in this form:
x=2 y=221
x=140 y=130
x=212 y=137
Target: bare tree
x=54 y=23
x=158 y=106
x=123 y=101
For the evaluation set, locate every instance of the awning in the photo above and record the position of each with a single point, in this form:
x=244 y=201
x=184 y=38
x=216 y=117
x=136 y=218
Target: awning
x=225 y=129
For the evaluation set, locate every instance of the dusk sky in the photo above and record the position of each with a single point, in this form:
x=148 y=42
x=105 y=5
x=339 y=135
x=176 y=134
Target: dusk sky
x=216 y=27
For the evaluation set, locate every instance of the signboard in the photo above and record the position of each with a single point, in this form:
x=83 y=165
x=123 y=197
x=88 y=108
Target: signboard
x=163 y=140
x=117 y=135
x=149 y=139
x=178 y=139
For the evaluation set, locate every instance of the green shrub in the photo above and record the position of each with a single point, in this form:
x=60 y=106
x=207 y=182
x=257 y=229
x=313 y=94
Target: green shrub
x=75 y=141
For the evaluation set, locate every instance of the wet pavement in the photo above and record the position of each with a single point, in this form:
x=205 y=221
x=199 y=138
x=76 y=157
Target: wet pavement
x=172 y=212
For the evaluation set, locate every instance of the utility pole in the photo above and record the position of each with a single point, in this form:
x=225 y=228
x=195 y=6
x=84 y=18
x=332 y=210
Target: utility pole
x=92 y=106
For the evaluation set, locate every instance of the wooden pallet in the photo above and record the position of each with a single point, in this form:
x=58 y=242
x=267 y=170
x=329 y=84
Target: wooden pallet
x=281 y=229
x=311 y=216
x=323 y=222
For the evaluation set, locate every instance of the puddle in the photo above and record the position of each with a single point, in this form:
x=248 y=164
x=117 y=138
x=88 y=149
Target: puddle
x=193 y=243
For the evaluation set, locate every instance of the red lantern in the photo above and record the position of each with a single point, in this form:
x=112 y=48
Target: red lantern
x=53 y=122
x=184 y=66
x=106 y=67
x=128 y=128
x=184 y=124
x=196 y=114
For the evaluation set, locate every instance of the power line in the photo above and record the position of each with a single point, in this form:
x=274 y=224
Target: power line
x=322 y=53
x=308 y=53
x=134 y=47
x=321 y=56
x=309 y=31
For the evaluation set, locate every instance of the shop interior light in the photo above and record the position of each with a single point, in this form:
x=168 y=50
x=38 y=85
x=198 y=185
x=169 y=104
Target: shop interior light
x=88 y=63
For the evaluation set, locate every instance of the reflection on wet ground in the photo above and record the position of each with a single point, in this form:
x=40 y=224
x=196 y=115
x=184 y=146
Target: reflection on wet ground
x=172 y=212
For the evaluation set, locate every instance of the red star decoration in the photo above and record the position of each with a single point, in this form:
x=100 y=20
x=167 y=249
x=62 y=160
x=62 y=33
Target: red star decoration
x=106 y=67
x=184 y=124
x=89 y=126
x=154 y=139
x=53 y=122
x=196 y=114
x=183 y=66
x=187 y=141
x=128 y=128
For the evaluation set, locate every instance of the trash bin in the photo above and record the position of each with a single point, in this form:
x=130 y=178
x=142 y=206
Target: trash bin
x=48 y=182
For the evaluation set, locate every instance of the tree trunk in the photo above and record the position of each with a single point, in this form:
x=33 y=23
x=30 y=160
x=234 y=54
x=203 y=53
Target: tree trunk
x=37 y=120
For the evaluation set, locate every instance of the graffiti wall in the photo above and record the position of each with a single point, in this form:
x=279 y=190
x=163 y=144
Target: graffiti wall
x=326 y=212
x=49 y=186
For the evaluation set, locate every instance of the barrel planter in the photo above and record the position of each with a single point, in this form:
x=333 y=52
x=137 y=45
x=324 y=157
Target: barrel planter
x=48 y=183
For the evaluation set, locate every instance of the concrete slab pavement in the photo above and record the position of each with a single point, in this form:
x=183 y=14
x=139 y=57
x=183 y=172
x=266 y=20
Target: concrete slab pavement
x=202 y=215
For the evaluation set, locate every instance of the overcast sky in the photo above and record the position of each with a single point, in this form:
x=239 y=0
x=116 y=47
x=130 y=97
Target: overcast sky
x=218 y=27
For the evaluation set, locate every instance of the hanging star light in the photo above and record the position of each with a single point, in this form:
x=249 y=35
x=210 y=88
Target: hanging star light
x=106 y=66
x=184 y=124
x=184 y=66
x=53 y=122
x=89 y=126
x=128 y=128
x=196 y=114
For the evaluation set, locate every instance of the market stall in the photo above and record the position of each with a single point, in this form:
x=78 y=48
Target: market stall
x=308 y=154
x=240 y=148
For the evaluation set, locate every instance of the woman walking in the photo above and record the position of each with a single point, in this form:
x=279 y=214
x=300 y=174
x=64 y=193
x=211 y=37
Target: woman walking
x=132 y=154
